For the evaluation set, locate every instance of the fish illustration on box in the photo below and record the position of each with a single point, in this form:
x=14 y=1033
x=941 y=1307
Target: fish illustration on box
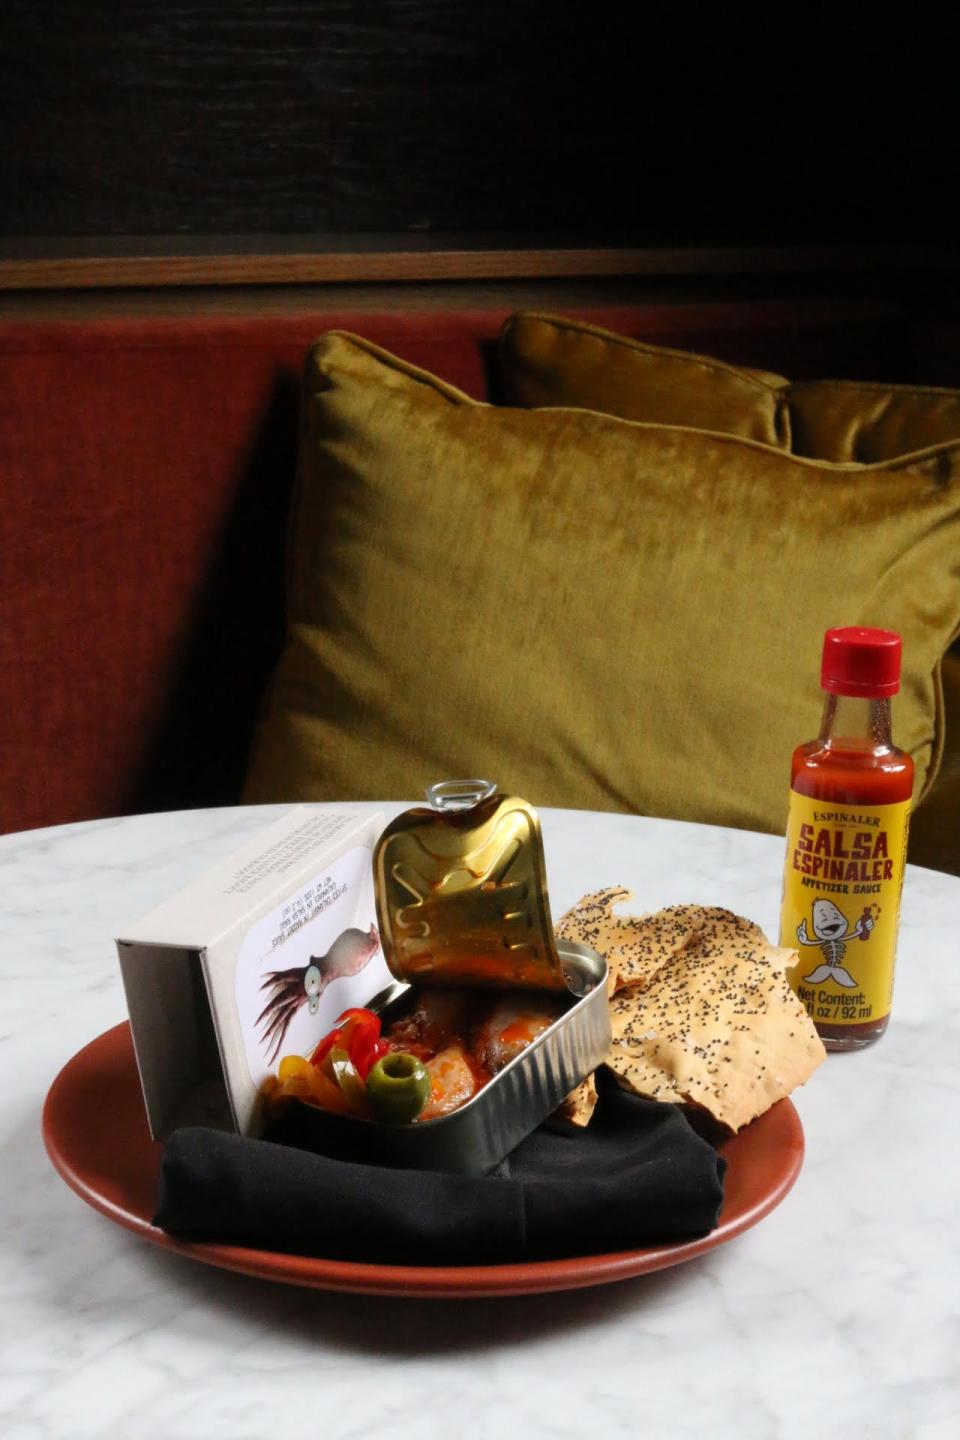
x=831 y=932
x=301 y=985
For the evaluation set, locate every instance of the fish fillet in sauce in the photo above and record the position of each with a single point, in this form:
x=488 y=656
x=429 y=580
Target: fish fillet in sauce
x=465 y=1037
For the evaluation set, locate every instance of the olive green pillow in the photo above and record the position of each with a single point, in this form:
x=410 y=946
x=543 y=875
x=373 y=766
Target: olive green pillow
x=591 y=611
x=851 y=420
x=551 y=360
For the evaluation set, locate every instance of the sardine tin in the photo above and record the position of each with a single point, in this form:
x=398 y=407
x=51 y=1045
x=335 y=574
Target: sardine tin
x=477 y=1136
x=462 y=900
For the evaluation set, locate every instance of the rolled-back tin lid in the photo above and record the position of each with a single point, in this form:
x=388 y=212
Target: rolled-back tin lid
x=461 y=892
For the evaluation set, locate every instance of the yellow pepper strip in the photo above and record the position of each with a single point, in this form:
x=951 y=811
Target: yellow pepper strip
x=294 y=1067
x=327 y=1094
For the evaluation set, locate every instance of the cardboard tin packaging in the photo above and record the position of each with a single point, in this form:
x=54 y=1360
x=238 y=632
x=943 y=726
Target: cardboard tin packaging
x=253 y=961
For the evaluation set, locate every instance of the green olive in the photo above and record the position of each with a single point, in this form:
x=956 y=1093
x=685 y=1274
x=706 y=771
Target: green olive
x=398 y=1087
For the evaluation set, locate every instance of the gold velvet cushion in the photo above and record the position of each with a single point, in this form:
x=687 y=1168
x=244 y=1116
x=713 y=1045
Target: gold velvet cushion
x=594 y=612
x=550 y=360
x=846 y=420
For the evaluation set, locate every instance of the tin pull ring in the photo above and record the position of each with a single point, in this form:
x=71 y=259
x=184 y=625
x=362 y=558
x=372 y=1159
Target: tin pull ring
x=449 y=795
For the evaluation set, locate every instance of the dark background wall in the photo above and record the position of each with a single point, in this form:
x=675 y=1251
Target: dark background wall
x=642 y=122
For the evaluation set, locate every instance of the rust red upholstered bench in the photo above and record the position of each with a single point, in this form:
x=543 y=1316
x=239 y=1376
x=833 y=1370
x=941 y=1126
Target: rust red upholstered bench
x=146 y=465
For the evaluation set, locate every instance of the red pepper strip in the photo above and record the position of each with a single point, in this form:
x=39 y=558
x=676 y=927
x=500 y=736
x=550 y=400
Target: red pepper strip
x=360 y=1052
x=360 y=1032
x=360 y=1022
x=369 y=1015
x=365 y=1062
x=358 y=1037
x=357 y=1032
x=326 y=1044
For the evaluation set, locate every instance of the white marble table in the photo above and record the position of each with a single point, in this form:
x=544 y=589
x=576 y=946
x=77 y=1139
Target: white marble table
x=836 y=1316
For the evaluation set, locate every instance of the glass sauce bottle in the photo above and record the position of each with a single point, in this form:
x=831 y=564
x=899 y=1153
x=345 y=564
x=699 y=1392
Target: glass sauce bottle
x=850 y=792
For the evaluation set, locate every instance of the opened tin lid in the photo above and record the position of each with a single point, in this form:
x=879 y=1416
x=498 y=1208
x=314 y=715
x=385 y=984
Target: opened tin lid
x=461 y=892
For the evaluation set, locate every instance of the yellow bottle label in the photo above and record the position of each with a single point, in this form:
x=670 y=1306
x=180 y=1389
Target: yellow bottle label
x=841 y=906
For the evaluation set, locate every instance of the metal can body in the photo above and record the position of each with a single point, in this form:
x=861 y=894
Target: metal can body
x=475 y=1138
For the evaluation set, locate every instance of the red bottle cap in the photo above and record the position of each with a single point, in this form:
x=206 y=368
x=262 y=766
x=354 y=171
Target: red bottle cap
x=861 y=661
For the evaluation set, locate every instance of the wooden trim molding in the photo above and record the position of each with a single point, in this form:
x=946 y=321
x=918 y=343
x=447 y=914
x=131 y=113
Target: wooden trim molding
x=123 y=262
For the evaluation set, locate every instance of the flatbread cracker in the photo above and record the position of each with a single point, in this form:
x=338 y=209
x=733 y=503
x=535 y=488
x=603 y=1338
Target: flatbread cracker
x=635 y=946
x=720 y=1029
x=701 y=1009
x=581 y=1103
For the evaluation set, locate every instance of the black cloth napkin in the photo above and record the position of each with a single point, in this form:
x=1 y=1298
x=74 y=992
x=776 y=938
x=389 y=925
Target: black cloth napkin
x=637 y=1175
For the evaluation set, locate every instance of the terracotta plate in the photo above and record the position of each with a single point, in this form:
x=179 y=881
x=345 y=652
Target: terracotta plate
x=95 y=1131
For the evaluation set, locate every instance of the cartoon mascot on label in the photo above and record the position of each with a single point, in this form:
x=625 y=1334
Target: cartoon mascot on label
x=831 y=930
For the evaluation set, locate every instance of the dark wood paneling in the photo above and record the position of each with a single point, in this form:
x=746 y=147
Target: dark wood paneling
x=653 y=123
